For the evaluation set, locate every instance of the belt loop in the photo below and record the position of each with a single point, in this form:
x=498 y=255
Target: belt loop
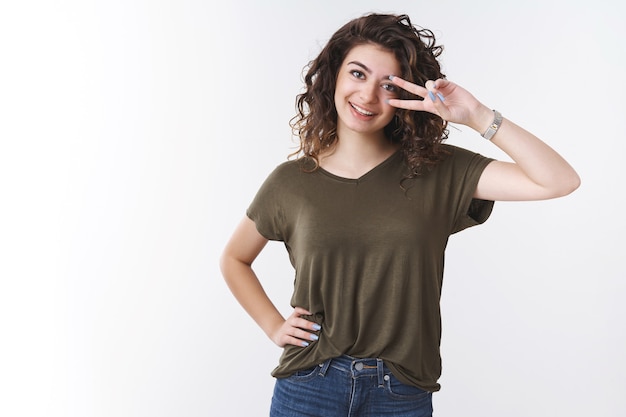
x=324 y=367
x=380 y=370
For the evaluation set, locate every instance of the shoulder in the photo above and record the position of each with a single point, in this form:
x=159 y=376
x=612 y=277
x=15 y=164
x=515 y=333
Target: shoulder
x=455 y=151
x=456 y=163
x=456 y=155
x=289 y=172
x=292 y=167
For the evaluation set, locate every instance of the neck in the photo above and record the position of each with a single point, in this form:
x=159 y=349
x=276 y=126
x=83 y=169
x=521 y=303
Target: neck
x=353 y=155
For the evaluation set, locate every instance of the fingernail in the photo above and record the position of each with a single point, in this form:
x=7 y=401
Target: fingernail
x=432 y=96
x=305 y=344
x=314 y=337
x=391 y=77
x=317 y=327
x=441 y=97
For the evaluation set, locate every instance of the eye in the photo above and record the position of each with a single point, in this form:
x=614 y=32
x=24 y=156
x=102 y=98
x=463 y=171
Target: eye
x=392 y=88
x=357 y=74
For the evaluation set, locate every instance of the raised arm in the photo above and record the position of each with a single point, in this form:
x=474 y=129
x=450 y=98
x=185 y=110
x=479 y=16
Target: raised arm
x=537 y=172
x=236 y=264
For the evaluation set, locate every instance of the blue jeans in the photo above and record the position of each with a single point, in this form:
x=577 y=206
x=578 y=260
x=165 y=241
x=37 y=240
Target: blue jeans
x=348 y=387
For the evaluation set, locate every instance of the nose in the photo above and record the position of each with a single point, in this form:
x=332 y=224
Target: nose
x=368 y=93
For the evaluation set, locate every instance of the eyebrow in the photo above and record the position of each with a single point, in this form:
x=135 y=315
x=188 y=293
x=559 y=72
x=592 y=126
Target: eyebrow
x=360 y=65
x=365 y=68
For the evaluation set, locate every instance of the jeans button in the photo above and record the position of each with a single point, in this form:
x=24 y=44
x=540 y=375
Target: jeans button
x=358 y=366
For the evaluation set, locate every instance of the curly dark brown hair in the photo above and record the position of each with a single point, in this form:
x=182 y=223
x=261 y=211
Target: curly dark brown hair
x=418 y=133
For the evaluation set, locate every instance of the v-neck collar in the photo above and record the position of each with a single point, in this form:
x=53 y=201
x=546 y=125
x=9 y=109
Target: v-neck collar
x=368 y=174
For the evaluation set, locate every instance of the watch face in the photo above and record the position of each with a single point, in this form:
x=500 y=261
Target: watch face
x=493 y=128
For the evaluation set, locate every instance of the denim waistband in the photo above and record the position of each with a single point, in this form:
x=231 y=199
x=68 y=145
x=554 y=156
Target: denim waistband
x=357 y=367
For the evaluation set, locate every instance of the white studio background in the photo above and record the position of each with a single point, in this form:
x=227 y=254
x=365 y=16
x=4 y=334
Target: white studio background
x=133 y=135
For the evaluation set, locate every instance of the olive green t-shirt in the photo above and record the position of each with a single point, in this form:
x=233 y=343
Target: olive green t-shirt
x=368 y=255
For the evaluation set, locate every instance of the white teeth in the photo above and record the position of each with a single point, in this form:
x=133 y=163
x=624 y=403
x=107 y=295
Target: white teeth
x=362 y=111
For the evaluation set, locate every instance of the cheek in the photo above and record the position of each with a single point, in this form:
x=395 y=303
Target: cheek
x=336 y=97
x=338 y=94
x=390 y=112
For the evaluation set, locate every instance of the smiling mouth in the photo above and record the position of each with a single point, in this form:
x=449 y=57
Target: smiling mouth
x=361 y=111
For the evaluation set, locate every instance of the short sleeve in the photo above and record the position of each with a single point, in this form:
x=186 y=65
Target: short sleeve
x=471 y=211
x=266 y=209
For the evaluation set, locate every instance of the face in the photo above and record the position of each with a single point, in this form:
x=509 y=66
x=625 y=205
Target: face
x=362 y=87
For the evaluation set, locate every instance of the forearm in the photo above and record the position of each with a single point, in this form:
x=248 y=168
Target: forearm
x=534 y=158
x=245 y=286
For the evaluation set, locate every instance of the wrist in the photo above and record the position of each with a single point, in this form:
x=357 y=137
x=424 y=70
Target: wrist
x=482 y=119
x=274 y=333
x=494 y=126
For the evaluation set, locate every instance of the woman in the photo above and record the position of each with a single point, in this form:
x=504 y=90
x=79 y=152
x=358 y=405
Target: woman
x=365 y=213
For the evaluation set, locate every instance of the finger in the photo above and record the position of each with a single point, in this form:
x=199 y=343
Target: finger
x=441 y=83
x=294 y=320
x=409 y=86
x=433 y=93
x=417 y=105
x=304 y=335
x=299 y=311
x=298 y=337
x=290 y=340
x=300 y=333
x=302 y=322
x=425 y=92
x=306 y=324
